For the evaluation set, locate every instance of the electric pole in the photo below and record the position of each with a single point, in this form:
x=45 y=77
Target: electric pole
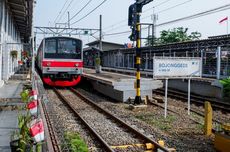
x=100 y=38
x=154 y=18
x=68 y=20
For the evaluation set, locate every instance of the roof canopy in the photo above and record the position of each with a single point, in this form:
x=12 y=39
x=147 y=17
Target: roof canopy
x=22 y=13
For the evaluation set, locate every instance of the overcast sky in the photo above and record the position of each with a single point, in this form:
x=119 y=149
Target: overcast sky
x=115 y=13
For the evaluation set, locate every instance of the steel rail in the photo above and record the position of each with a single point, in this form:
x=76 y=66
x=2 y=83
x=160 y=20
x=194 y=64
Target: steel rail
x=179 y=95
x=66 y=102
x=53 y=137
x=199 y=97
x=147 y=139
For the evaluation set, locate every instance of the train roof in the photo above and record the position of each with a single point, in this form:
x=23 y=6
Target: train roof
x=61 y=37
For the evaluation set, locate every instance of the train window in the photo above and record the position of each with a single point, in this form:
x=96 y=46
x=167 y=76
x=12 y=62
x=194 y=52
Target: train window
x=50 y=46
x=68 y=46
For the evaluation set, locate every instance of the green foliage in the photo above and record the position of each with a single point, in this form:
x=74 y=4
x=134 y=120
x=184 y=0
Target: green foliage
x=226 y=85
x=161 y=122
x=76 y=143
x=171 y=36
x=25 y=141
x=25 y=95
x=14 y=53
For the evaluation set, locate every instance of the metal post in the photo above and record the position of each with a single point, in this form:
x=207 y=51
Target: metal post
x=138 y=60
x=208 y=119
x=128 y=61
x=166 y=96
x=154 y=27
x=189 y=91
x=218 y=62
x=68 y=20
x=33 y=52
x=123 y=60
x=100 y=47
x=202 y=59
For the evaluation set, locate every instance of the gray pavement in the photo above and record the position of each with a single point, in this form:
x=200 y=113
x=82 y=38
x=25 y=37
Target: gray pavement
x=9 y=96
x=8 y=123
x=11 y=89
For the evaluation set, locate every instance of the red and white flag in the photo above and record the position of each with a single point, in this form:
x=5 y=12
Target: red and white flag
x=37 y=130
x=224 y=19
x=33 y=107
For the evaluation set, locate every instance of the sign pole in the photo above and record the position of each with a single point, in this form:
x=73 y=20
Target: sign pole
x=189 y=91
x=166 y=96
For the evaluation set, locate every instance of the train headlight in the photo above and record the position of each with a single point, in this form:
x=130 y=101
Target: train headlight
x=48 y=64
x=76 y=64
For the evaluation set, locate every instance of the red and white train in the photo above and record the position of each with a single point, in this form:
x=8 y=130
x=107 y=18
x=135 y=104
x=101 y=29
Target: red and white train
x=60 y=61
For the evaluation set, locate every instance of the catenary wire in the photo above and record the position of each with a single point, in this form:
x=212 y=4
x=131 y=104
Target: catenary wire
x=89 y=12
x=208 y=12
x=60 y=11
x=81 y=9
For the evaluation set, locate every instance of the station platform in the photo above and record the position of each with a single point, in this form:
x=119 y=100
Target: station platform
x=8 y=124
x=208 y=87
x=119 y=86
x=11 y=89
x=9 y=99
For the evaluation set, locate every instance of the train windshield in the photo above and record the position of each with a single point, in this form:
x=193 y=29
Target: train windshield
x=63 y=48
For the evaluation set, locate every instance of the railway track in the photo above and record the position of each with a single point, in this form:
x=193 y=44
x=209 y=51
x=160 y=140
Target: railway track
x=112 y=132
x=217 y=105
x=53 y=137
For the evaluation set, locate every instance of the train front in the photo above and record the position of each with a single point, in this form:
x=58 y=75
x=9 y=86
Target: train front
x=62 y=64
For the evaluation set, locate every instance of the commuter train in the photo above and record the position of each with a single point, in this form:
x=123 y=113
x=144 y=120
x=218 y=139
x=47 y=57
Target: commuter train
x=60 y=61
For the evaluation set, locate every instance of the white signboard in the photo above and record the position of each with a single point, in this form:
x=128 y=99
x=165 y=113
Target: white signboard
x=170 y=67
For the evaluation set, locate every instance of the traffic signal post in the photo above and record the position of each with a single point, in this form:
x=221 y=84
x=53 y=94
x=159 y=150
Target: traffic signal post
x=135 y=11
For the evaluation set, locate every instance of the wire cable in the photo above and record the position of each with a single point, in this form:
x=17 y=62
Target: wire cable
x=125 y=20
x=65 y=10
x=208 y=12
x=81 y=9
x=156 y=6
x=157 y=12
x=60 y=11
x=89 y=12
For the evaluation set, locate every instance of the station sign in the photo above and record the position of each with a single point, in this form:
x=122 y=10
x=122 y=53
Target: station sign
x=174 y=67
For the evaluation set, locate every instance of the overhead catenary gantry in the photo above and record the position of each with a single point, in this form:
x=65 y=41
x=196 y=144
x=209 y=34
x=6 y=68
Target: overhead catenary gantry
x=135 y=11
x=63 y=31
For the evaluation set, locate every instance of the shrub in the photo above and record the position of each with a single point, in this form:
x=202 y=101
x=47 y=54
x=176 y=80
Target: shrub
x=75 y=142
x=226 y=85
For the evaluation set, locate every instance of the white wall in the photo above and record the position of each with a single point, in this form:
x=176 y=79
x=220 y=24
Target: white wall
x=9 y=40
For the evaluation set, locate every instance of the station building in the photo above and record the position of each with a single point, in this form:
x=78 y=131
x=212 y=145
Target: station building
x=15 y=33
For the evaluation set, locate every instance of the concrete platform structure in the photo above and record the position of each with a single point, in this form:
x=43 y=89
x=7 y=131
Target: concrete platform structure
x=120 y=87
x=8 y=123
x=208 y=87
x=11 y=90
x=204 y=87
x=9 y=97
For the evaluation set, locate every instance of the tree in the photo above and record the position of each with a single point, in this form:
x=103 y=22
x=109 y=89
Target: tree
x=171 y=36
